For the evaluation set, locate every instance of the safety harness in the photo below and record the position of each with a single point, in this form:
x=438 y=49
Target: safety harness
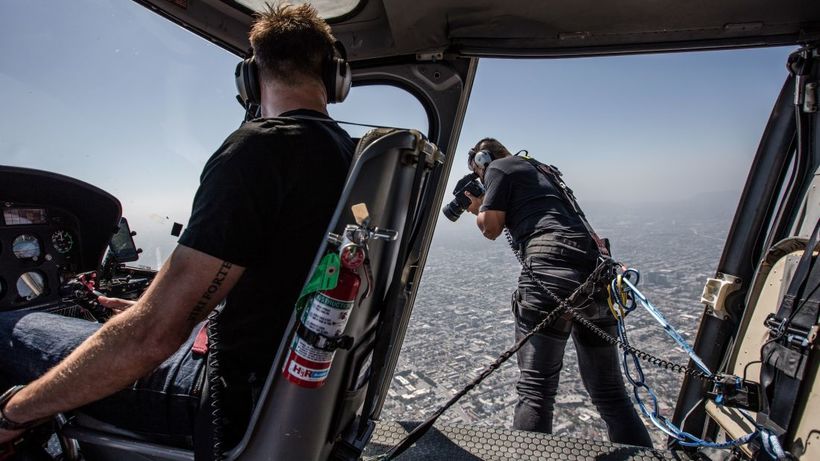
x=553 y=174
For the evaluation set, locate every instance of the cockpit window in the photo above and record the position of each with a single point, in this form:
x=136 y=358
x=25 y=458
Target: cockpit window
x=328 y=9
x=379 y=105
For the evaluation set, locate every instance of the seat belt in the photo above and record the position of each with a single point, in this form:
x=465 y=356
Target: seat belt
x=554 y=176
x=793 y=331
x=200 y=345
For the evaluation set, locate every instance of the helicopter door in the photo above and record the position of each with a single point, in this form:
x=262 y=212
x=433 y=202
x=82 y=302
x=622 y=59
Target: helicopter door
x=777 y=214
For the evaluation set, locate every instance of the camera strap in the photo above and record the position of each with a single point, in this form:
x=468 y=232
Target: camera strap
x=554 y=176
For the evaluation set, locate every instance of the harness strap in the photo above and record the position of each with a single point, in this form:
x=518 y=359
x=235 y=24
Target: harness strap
x=554 y=176
x=786 y=357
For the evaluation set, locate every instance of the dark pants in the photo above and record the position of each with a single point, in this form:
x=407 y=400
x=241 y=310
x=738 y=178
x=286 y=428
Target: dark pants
x=562 y=264
x=163 y=403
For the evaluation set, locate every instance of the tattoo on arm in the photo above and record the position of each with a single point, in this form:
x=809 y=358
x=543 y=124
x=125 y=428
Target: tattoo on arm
x=201 y=307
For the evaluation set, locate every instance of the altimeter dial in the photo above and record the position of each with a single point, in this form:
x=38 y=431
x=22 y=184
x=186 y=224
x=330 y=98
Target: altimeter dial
x=63 y=241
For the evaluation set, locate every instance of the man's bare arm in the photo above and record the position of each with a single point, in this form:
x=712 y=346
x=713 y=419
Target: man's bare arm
x=491 y=223
x=133 y=343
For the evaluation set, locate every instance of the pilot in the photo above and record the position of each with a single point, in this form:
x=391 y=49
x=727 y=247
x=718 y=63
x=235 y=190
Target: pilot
x=265 y=200
x=562 y=253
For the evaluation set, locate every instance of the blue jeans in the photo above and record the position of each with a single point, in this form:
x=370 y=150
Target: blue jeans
x=562 y=264
x=165 y=402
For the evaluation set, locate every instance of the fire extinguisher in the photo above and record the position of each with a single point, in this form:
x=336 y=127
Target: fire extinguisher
x=322 y=324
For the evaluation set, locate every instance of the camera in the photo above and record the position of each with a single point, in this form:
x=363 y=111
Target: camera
x=461 y=202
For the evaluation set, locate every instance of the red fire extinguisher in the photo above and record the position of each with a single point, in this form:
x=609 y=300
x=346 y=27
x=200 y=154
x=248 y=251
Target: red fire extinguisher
x=322 y=324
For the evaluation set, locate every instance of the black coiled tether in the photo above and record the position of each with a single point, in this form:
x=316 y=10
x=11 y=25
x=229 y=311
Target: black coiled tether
x=567 y=305
x=216 y=388
x=577 y=317
x=564 y=305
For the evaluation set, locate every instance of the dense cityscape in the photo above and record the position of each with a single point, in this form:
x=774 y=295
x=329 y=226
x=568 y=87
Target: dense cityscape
x=462 y=320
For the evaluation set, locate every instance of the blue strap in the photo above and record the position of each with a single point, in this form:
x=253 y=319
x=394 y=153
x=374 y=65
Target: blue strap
x=634 y=374
x=635 y=297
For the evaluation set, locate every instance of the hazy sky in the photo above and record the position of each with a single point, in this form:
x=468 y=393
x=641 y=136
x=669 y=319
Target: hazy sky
x=112 y=94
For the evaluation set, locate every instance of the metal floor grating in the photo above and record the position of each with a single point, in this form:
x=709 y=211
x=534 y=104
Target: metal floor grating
x=457 y=442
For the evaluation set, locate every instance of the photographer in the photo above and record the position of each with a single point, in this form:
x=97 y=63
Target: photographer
x=554 y=241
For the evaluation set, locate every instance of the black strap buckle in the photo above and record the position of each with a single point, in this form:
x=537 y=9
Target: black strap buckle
x=734 y=392
x=775 y=325
x=792 y=336
x=325 y=343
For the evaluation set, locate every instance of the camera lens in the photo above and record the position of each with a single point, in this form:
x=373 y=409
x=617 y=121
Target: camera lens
x=452 y=211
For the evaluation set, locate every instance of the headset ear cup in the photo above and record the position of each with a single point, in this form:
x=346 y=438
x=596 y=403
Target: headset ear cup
x=239 y=80
x=336 y=73
x=344 y=79
x=247 y=81
x=252 y=77
x=483 y=158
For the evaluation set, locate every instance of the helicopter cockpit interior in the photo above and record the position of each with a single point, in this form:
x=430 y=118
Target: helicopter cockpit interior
x=63 y=241
x=53 y=229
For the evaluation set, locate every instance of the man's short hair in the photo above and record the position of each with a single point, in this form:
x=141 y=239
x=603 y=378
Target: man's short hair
x=491 y=144
x=290 y=42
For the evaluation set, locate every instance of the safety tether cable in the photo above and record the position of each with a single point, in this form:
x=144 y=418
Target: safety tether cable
x=563 y=306
x=654 y=360
x=624 y=298
x=627 y=300
x=605 y=267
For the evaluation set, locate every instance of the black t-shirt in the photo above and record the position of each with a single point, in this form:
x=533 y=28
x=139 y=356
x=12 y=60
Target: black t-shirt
x=531 y=202
x=264 y=202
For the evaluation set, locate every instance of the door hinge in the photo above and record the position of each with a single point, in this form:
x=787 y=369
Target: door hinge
x=715 y=292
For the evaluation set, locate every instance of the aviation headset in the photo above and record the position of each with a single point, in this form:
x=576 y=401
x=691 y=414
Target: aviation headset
x=336 y=77
x=481 y=158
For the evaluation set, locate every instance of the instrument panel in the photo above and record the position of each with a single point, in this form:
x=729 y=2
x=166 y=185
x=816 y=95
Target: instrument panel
x=39 y=251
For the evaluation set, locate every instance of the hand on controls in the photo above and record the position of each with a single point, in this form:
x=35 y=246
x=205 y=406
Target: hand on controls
x=8 y=436
x=115 y=304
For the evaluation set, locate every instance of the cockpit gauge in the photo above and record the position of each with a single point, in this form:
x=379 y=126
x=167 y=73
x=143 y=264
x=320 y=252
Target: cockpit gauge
x=26 y=246
x=30 y=286
x=63 y=241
